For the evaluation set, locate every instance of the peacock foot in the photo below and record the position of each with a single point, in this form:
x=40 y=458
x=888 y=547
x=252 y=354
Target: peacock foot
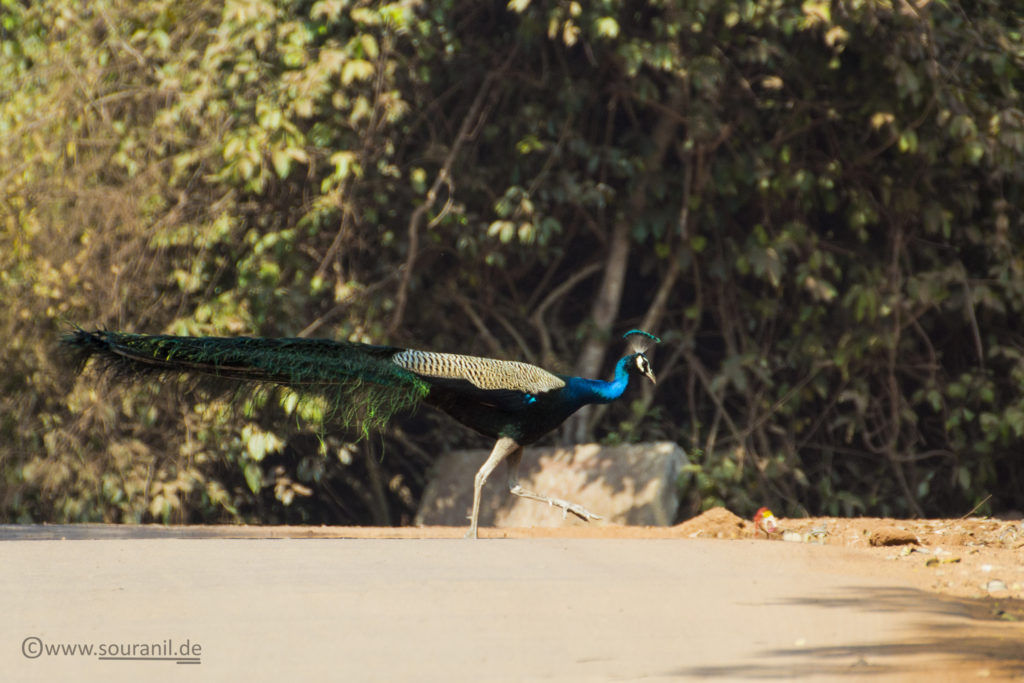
x=565 y=506
x=576 y=509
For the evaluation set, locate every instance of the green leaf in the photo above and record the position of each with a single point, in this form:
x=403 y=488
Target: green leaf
x=356 y=70
x=607 y=27
x=253 y=476
x=282 y=161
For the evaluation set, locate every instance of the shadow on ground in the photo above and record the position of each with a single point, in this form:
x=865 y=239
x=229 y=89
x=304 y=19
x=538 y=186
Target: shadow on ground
x=995 y=641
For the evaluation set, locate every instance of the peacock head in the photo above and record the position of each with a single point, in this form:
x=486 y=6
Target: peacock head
x=640 y=342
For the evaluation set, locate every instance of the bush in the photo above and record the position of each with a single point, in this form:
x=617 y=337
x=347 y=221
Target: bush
x=815 y=204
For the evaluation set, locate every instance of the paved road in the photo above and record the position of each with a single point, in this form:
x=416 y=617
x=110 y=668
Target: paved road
x=493 y=610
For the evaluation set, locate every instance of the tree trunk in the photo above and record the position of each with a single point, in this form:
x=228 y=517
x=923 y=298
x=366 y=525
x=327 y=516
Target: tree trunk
x=609 y=297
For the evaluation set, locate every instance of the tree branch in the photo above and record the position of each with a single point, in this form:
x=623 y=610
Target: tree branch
x=606 y=305
x=467 y=130
x=547 y=351
x=478 y=322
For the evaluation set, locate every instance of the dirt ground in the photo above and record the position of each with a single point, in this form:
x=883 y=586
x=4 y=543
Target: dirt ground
x=973 y=557
x=885 y=600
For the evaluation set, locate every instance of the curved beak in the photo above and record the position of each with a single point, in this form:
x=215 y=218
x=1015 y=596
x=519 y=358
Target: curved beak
x=650 y=375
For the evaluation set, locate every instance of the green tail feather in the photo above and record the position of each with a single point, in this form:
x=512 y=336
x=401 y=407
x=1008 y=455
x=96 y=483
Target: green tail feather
x=354 y=384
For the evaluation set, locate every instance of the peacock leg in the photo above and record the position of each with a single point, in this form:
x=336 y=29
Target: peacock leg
x=512 y=460
x=503 y=448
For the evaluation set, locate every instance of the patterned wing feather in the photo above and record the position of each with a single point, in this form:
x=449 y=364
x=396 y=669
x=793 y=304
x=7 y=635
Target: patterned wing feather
x=484 y=373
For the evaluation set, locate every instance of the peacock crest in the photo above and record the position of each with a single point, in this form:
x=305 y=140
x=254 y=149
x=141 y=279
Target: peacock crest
x=640 y=341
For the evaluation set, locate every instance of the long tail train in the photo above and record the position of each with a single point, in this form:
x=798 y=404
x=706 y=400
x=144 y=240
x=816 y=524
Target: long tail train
x=358 y=383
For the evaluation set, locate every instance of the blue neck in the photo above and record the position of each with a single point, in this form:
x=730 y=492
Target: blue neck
x=598 y=390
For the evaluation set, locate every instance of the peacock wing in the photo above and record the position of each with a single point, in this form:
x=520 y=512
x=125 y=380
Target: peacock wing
x=510 y=385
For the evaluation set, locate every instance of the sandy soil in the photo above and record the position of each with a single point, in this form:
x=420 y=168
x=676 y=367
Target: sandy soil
x=840 y=599
x=968 y=557
x=972 y=557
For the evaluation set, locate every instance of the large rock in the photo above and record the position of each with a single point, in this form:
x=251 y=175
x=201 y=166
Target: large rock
x=633 y=484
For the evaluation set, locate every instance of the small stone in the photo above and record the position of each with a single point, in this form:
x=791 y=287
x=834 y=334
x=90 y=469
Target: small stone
x=888 y=535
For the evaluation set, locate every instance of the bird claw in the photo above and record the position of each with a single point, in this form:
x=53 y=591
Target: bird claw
x=578 y=510
x=565 y=506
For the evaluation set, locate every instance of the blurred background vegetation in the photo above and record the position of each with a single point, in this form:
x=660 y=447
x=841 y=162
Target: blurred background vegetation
x=817 y=206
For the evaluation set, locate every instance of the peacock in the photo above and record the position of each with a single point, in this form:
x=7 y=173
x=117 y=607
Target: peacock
x=360 y=384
